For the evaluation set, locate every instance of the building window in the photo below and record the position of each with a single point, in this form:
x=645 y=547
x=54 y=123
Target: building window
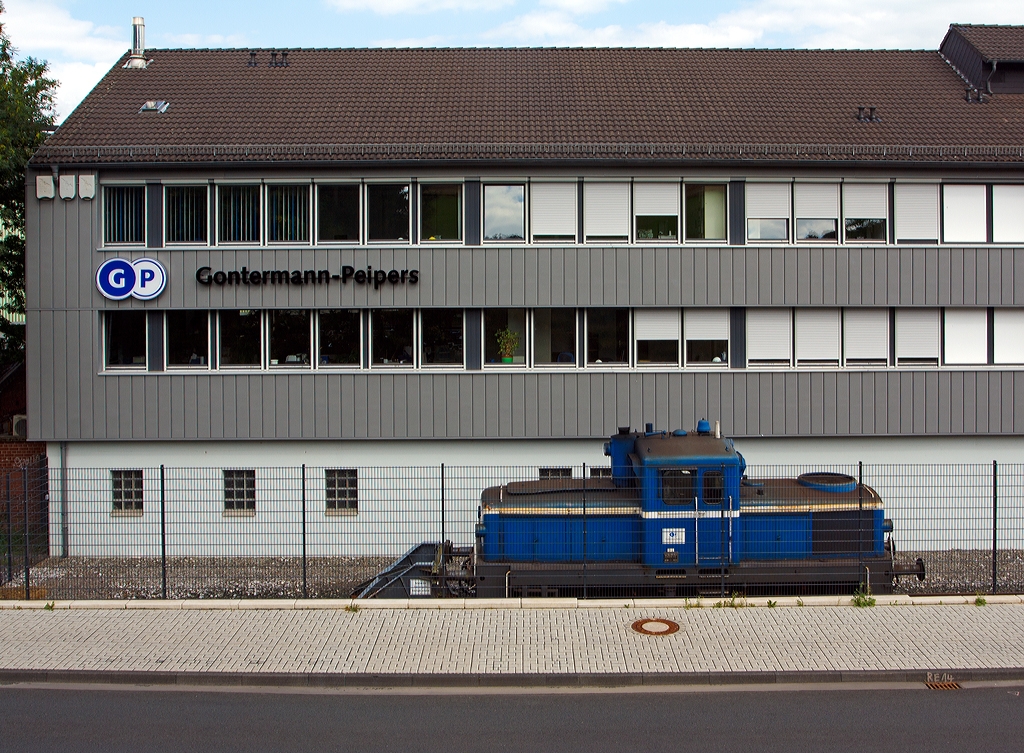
x=186 y=211
x=554 y=337
x=127 y=490
x=391 y=337
x=917 y=212
x=188 y=338
x=917 y=337
x=441 y=212
x=656 y=332
x=505 y=336
x=866 y=207
x=767 y=207
x=124 y=214
x=606 y=211
x=964 y=214
x=240 y=490
x=705 y=212
x=555 y=472
x=601 y=472
x=816 y=206
x=656 y=211
x=337 y=213
x=288 y=214
x=387 y=212
x=1008 y=214
x=770 y=337
x=1008 y=332
x=553 y=212
x=342 y=489
x=866 y=337
x=504 y=213
x=125 y=339
x=240 y=338
x=677 y=487
x=819 y=335
x=707 y=336
x=290 y=338
x=965 y=333
x=238 y=214
x=441 y=335
x=340 y=337
x=607 y=337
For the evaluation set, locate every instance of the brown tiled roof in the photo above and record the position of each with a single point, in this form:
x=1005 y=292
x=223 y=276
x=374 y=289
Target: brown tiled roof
x=552 y=104
x=994 y=42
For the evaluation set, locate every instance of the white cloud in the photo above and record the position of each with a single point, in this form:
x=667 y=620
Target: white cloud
x=199 y=40
x=392 y=7
x=778 y=23
x=79 y=52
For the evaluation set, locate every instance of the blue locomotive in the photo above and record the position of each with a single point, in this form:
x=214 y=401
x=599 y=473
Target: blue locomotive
x=676 y=516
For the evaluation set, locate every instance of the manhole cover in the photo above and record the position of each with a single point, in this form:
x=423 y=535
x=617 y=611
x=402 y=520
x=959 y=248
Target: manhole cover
x=655 y=627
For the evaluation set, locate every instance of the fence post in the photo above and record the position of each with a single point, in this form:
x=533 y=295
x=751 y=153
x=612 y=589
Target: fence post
x=10 y=533
x=995 y=510
x=860 y=524
x=65 y=534
x=584 y=530
x=305 y=591
x=163 y=535
x=442 y=531
x=28 y=562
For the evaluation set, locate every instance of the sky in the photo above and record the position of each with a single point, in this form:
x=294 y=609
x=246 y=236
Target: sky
x=81 y=39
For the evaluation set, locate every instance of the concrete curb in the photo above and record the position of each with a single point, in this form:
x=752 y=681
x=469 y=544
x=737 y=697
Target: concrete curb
x=359 y=604
x=402 y=680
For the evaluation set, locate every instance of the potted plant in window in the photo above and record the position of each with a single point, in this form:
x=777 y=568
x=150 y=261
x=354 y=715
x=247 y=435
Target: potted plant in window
x=508 y=342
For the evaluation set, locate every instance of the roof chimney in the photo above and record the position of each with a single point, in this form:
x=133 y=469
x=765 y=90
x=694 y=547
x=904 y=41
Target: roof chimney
x=138 y=57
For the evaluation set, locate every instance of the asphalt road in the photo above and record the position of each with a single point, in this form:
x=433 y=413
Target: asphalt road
x=823 y=718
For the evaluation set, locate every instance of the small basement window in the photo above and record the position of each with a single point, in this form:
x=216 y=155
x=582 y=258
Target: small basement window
x=127 y=490
x=240 y=490
x=555 y=472
x=342 y=489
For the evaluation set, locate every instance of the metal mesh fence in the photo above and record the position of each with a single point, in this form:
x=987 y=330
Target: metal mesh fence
x=163 y=532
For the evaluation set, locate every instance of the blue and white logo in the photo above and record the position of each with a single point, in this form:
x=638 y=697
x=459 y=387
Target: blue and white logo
x=118 y=279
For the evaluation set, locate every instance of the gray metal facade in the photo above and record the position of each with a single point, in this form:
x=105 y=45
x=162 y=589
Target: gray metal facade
x=71 y=397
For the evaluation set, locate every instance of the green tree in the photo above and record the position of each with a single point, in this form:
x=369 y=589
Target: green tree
x=26 y=118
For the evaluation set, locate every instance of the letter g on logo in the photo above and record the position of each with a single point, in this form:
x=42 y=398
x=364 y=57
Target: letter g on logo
x=118 y=279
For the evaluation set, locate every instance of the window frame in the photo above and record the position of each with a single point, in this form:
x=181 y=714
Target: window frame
x=420 y=363
x=266 y=341
x=683 y=237
x=208 y=366
x=248 y=368
x=350 y=498
x=261 y=201
x=361 y=316
x=617 y=365
x=525 y=185
x=249 y=508
x=104 y=339
x=136 y=504
x=461 y=183
x=209 y=212
x=575 y=364
x=844 y=204
x=266 y=186
x=526 y=343
x=360 y=213
x=679 y=341
x=684 y=338
x=367 y=185
x=145 y=215
x=557 y=239
x=748 y=216
x=414 y=364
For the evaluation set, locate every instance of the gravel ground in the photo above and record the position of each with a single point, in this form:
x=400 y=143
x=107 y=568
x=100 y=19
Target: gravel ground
x=955 y=571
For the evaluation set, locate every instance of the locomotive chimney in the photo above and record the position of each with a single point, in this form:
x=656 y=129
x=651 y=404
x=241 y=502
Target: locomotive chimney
x=718 y=429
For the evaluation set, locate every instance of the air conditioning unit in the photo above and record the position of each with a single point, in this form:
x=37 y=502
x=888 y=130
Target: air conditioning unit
x=19 y=425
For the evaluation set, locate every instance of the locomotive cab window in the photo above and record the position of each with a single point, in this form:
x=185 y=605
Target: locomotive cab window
x=713 y=489
x=677 y=486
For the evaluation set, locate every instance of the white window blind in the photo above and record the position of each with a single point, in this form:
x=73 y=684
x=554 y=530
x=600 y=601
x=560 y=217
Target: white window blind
x=816 y=200
x=769 y=335
x=917 y=334
x=818 y=334
x=706 y=324
x=606 y=210
x=656 y=199
x=964 y=214
x=1008 y=214
x=866 y=334
x=553 y=209
x=966 y=336
x=767 y=200
x=656 y=324
x=917 y=211
x=1009 y=335
x=866 y=201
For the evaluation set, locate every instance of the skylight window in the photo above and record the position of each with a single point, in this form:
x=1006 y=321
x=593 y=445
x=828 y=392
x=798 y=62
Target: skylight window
x=155 y=105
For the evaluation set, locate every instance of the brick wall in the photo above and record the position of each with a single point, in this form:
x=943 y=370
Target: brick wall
x=14 y=453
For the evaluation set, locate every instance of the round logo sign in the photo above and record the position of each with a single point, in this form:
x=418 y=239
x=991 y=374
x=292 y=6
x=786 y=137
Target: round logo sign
x=118 y=279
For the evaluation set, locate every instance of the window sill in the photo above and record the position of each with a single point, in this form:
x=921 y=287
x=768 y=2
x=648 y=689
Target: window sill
x=126 y=513
x=341 y=513
x=239 y=513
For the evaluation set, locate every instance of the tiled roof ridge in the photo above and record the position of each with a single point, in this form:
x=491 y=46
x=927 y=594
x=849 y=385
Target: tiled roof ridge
x=808 y=50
